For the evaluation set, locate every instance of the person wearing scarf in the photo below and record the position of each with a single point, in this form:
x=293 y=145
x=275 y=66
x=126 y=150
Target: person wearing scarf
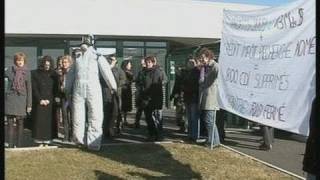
x=208 y=89
x=18 y=100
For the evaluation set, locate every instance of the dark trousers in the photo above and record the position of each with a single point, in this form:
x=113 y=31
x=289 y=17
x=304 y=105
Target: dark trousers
x=67 y=121
x=268 y=135
x=138 y=115
x=180 y=116
x=153 y=119
x=203 y=129
x=14 y=130
x=112 y=117
x=221 y=117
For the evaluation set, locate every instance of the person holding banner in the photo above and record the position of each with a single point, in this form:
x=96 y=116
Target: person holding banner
x=311 y=159
x=208 y=89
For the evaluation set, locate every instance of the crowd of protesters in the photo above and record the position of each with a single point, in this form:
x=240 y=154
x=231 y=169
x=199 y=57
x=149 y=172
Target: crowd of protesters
x=62 y=100
x=57 y=106
x=195 y=97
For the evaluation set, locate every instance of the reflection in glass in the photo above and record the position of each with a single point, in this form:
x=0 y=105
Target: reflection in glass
x=133 y=43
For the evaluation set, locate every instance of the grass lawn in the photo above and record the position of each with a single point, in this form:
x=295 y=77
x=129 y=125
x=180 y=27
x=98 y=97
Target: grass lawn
x=140 y=161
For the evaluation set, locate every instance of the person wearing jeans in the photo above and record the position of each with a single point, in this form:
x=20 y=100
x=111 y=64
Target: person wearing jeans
x=192 y=112
x=209 y=117
x=208 y=91
x=190 y=91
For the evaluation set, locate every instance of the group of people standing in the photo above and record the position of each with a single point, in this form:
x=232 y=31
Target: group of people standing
x=85 y=98
x=81 y=98
x=195 y=94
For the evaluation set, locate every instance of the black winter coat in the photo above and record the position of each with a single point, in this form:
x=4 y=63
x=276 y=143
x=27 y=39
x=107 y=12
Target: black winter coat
x=311 y=161
x=152 y=95
x=44 y=87
x=190 y=86
x=120 y=78
x=126 y=94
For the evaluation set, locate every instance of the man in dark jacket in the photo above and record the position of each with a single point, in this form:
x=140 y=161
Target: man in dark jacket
x=177 y=97
x=152 y=99
x=112 y=100
x=164 y=80
x=311 y=161
x=139 y=87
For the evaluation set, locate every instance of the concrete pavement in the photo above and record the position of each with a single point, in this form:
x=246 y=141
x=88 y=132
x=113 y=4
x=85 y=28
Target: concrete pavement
x=287 y=152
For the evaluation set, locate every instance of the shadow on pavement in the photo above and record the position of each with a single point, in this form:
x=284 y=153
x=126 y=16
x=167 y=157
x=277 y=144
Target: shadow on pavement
x=103 y=176
x=144 y=157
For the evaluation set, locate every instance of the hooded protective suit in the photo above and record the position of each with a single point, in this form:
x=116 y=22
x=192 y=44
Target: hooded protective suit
x=87 y=97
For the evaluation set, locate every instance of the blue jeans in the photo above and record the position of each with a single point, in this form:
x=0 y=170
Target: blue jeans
x=193 y=115
x=311 y=177
x=209 y=117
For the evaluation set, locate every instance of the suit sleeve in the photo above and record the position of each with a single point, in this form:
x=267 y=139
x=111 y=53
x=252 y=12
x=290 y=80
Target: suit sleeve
x=29 y=90
x=106 y=72
x=35 y=90
x=212 y=76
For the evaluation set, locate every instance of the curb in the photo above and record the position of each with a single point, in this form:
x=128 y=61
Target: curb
x=263 y=162
x=31 y=148
x=141 y=143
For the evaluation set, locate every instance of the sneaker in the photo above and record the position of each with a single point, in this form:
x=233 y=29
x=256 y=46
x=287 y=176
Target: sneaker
x=94 y=148
x=213 y=146
x=265 y=147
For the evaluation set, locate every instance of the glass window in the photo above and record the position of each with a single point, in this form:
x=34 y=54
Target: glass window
x=105 y=43
x=133 y=43
x=106 y=51
x=31 y=53
x=75 y=43
x=156 y=44
x=135 y=55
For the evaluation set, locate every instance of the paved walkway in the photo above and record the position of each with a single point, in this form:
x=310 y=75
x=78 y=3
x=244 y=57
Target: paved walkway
x=287 y=152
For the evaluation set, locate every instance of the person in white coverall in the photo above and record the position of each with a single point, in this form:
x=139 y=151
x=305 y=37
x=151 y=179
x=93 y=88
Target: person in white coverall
x=87 y=95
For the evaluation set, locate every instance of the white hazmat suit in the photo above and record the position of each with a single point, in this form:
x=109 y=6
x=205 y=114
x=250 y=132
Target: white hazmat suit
x=87 y=93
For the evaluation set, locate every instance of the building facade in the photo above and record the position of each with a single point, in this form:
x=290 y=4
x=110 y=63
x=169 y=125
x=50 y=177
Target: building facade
x=131 y=29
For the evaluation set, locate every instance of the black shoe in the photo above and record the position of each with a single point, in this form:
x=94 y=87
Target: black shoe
x=182 y=130
x=151 y=139
x=159 y=138
x=137 y=125
x=125 y=123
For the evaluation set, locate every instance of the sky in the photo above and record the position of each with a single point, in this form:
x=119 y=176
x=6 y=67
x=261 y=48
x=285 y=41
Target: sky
x=257 y=2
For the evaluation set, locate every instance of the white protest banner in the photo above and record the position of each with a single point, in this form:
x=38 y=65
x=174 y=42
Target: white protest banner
x=267 y=65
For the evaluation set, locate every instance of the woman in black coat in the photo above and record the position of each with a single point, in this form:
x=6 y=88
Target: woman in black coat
x=151 y=97
x=311 y=161
x=126 y=92
x=18 y=100
x=44 y=86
